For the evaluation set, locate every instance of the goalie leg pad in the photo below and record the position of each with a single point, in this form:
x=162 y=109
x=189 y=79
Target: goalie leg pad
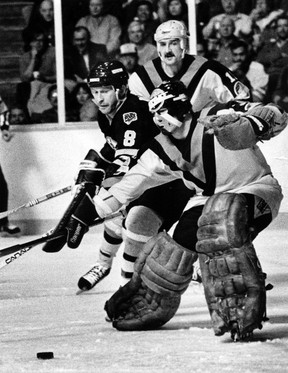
x=151 y=298
x=233 y=280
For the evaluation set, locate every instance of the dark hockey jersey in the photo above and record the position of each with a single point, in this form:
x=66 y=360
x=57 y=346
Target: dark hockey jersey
x=130 y=129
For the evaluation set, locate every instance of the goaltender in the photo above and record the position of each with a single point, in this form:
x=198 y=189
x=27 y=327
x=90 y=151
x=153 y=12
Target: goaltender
x=215 y=152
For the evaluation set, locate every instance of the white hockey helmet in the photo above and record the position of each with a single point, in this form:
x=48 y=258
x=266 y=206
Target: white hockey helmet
x=171 y=30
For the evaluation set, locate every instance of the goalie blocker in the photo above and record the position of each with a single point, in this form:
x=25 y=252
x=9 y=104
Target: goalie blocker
x=233 y=280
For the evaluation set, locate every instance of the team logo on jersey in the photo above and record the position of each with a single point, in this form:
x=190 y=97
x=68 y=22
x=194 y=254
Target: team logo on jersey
x=130 y=117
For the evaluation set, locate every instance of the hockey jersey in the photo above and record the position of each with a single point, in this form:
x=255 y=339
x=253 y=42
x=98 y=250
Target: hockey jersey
x=130 y=128
x=204 y=165
x=207 y=81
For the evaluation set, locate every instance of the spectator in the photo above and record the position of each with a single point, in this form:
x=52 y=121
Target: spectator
x=41 y=18
x=6 y=229
x=37 y=67
x=243 y=23
x=274 y=54
x=262 y=15
x=144 y=13
x=246 y=69
x=136 y=34
x=128 y=56
x=104 y=28
x=19 y=115
x=83 y=55
x=87 y=111
x=51 y=115
x=178 y=10
x=227 y=37
x=280 y=95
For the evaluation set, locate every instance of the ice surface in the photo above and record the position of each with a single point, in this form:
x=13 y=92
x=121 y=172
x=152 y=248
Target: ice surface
x=40 y=311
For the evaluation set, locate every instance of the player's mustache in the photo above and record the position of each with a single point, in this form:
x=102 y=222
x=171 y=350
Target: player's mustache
x=169 y=54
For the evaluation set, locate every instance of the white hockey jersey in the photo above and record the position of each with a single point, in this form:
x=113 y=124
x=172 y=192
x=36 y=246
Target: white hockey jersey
x=204 y=165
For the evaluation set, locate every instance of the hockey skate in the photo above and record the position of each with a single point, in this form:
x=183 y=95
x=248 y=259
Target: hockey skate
x=93 y=277
x=9 y=230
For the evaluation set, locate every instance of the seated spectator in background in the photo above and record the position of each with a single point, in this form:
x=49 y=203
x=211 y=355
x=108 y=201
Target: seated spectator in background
x=103 y=28
x=83 y=55
x=129 y=57
x=243 y=23
x=51 y=115
x=246 y=69
x=136 y=35
x=37 y=67
x=280 y=95
x=144 y=13
x=18 y=115
x=274 y=54
x=178 y=10
x=86 y=110
x=41 y=18
x=262 y=16
x=227 y=37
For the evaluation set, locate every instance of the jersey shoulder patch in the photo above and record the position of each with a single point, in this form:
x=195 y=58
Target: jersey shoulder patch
x=130 y=117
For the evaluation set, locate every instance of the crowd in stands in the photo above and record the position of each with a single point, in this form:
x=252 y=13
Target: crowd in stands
x=250 y=37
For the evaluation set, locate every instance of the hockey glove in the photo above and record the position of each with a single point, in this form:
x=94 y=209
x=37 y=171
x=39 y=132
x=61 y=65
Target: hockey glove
x=93 y=180
x=90 y=165
x=83 y=216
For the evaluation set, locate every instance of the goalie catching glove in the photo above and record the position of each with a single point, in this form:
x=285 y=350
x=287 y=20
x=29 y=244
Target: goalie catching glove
x=151 y=298
x=89 y=179
x=236 y=131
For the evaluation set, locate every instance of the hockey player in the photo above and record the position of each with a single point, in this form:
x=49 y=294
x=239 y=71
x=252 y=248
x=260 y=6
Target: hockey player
x=127 y=125
x=6 y=228
x=232 y=204
x=207 y=82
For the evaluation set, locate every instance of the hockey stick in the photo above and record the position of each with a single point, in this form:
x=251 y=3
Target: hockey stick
x=36 y=201
x=14 y=252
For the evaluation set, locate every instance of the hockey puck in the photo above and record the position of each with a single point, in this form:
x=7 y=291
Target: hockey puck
x=45 y=355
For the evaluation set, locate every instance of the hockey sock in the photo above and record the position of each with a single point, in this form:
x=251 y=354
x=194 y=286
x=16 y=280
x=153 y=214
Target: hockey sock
x=132 y=248
x=108 y=249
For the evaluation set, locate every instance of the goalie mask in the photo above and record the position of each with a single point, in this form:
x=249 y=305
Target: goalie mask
x=169 y=103
x=168 y=31
x=109 y=74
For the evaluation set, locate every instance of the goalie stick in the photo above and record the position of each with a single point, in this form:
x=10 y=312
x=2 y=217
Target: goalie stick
x=36 y=201
x=14 y=252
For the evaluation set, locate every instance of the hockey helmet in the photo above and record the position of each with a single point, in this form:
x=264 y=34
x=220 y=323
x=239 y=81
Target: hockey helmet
x=171 y=30
x=109 y=73
x=171 y=102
